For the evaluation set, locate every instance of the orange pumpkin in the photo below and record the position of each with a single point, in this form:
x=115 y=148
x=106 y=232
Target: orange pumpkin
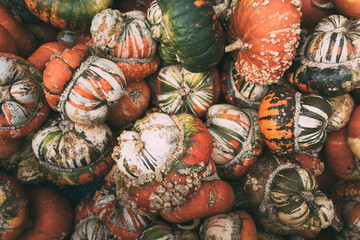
x=213 y=197
x=264 y=35
x=7 y=43
x=8 y=146
x=24 y=40
x=43 y=54
x=348 y=8
x=314 y=10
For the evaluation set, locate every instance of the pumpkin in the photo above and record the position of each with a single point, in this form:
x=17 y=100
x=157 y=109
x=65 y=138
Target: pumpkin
x=342 y=108
x=353 y=132
x=131 y=106
x=160 y=163
x=9 y=146
x=43 y=54
x=23 y=104
x=50 y=214
x=42 y=32
x=213 y=197
x=7 y=43
x=72 y=15
x=19 y=8
x=87 y=225
x=327 y=63
x=176 y=90
x=264 y=36
x=130 y=5
x=234 y=225
x=285 y=197
x=237 y=140
x=24 y=40
x=339 y=157
x=189 y=33
x=82 y=86
x=125 y=38
x=160 y=230
x=312 y=11
x=310 y=162
x=121 y=221
x=239 y=92
x=347 y=210
x=14 y=209
x=348 y=8
x=292 y=122
x=70 y=153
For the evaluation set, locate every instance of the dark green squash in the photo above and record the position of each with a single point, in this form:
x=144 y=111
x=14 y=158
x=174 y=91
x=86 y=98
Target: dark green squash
x=189 y=33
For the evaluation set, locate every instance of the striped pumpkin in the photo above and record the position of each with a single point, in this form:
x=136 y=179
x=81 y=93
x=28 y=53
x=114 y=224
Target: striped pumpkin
x=177 y=90
x=237 y=140
x=161 y=162
x=121 y=221
x=285 y=197
x=346 y=197
x=126 y=39
x=292 y=122
x=327 y=63
x=342 y=108
x=70 y=153
x=235 y=225
x=238 y=91
x=23 y=106
x=75 y=15
x=82 y=86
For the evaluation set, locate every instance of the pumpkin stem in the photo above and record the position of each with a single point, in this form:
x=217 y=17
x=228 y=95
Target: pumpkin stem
x=237 y=45
x=322 y=6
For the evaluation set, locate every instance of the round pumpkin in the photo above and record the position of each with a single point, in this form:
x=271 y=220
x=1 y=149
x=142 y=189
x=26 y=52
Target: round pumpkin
x=14 y=209
x=285 y=197
x=50 y=214
x=82 y=86
x=7 y=43
x=131 y=106
x=189 y=33
x=292 y=122
x=161 y=162
x=264 y=36
x=73 y=15
x=176 y=90
x=23 y=104
x=327 y=63
x=237 y=140
x=312 y=11
x=348 y=8
x=234 y=225
x=125 y=38
x=70 y=153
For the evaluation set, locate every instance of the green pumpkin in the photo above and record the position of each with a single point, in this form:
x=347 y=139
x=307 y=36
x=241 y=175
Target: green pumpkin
x=189 y=33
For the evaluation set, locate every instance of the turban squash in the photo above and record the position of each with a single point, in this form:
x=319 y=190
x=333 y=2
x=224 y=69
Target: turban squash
x=82 y=86
x=125 y=38
x=161 y=162
x=73 y=15
x=189 y=33
x=71 y=153
x=285 y=197
x=328 y=61
x=292 y=122
x=23 y=106
x=264 y=36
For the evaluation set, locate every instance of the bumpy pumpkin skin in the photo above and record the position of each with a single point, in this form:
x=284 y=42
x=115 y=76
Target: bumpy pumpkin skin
x=285 y=197
x=347 y=209
x=161 y=162
x=82 y=86
x=237 y=140
x=328 y=61
x=23 y=104
x=264 y=36
x=70 y=153
x=292 y=122
x=126 y=39
x=176 y=90
x=189 y=33
x=14 y=207
x=69 y=15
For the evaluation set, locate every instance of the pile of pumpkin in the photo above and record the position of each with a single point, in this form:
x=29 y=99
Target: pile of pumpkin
x=206 y=119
